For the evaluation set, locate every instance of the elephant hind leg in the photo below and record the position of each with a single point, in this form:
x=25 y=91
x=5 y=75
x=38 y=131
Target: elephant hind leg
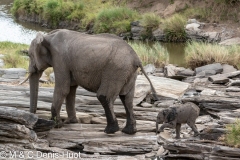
x=127 y=101
x=112 y=123
x=126 y=96
x=194 y=127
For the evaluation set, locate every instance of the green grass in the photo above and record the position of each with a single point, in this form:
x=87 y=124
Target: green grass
x=12 y=55
x=174 y=28
x=155 y=54
x=114 y=20
x=200 y=53
x=10 y=47
x=232 y=137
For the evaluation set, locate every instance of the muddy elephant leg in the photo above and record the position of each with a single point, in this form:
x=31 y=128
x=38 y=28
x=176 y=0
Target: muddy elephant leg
x=178 y=128
x=70 y=105
x=194 y=127
x=107 y=103
x=127 y=101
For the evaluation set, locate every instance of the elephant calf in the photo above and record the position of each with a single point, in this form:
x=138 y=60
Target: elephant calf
x=174 y=116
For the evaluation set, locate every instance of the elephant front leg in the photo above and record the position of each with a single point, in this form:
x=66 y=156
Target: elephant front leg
x=112 y=123
x=194 y=127
x=178 y=128
x=60 y=93
x=168 y=125
x=70 y=106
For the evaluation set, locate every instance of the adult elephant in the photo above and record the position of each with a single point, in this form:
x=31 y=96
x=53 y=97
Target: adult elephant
x=102 y=63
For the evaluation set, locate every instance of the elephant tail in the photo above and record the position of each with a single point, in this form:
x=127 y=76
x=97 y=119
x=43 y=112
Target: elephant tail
x=153 y=89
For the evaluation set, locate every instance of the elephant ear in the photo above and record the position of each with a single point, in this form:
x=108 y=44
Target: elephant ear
x=171 y=115
x=39 y=38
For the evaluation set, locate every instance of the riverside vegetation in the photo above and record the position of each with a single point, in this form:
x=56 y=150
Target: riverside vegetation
x=115 y=17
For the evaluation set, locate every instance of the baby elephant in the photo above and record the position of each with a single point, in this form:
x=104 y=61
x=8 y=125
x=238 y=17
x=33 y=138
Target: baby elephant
x=175 y=116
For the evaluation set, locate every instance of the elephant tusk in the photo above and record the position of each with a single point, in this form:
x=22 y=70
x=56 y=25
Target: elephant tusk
x=25 y=79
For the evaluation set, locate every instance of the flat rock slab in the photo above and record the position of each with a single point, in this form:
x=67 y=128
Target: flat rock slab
x=215 y=66
x=100 y=142
x=165 y=87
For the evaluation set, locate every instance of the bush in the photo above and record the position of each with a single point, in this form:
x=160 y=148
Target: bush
x=114 y=20
x=174 y=28
x=53 y=12
x=156 y=54
x=232 y=137
x=150 y=20
x=200 y=53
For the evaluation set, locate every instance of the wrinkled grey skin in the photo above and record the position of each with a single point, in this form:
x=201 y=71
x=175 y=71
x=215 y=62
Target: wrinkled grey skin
x=103 y=63
x=173 y=117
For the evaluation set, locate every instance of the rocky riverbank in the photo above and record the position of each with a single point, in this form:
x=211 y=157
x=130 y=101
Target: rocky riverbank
x=214 y=88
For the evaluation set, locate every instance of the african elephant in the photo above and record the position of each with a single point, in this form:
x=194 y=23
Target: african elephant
x=173 y=117
x=104 y=64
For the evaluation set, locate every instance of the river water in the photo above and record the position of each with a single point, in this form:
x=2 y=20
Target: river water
x=14 y=31
x=24 y=32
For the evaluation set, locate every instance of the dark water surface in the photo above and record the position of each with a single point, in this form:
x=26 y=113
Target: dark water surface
x=24 y=32
x=176 y=53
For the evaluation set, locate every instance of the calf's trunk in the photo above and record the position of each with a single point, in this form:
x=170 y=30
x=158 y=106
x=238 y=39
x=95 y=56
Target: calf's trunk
x=156 y=127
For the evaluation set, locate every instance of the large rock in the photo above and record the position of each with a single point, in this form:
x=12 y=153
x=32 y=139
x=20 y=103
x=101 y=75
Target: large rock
x=159 y=35
x=231 y=41
x=165 y=87
x=228 y=68
x=150 y=68
x=216 y=67
x=52 y=77
x=1 y=63
x=136 y=30
x=212 y=36
x=18 y=116
x=193 y=26
x=13 y=73
x=18 y=71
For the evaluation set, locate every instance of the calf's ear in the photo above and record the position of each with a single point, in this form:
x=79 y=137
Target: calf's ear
x=171 y=115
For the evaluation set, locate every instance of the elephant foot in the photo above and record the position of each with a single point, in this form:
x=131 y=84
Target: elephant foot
x=196 y=134
x=177 y=137
x=129 y=129
x=72 y=120
x=58 y=122
x=112 y=128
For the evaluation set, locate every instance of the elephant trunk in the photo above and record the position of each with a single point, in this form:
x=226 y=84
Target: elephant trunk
x=34 y=84
x=157 y=127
